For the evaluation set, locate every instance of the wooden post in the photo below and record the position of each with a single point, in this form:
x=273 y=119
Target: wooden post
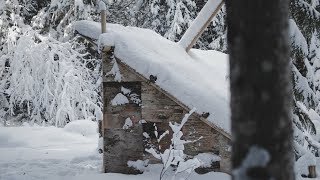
x=103 y=21
x=103 y=12
x=201 y=22
x=312 y=171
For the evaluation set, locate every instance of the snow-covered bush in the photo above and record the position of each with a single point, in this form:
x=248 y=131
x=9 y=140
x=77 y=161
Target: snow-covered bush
x=49 y=80
x=45 y=76
x=174 y=155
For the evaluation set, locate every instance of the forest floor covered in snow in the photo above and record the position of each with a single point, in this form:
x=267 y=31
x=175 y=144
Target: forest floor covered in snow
x=37 y=153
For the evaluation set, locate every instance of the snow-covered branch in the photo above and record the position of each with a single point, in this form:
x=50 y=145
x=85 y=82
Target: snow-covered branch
x=174 y=155
x=50 y=80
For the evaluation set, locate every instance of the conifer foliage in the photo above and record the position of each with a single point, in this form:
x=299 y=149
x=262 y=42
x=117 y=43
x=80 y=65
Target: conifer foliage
x=45 y=75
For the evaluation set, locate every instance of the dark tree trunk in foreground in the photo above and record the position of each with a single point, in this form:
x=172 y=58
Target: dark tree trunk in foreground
x=261 y=92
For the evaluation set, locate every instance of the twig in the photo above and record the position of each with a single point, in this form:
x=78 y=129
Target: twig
x=312 y=142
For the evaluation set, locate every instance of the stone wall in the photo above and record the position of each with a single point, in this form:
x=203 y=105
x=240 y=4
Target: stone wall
x=159 y=109
x=156 y=107
x=121 y=144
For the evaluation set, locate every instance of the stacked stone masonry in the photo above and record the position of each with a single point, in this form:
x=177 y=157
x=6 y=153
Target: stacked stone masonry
x=155 y=108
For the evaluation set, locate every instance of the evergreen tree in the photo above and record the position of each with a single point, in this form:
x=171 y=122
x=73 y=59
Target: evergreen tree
x=304 y=34
x=171 y=18
x=29 y=48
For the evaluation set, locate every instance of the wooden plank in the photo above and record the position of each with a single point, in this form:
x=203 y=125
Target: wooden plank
x=312 y=171
x=195 y=26
x=224 y=133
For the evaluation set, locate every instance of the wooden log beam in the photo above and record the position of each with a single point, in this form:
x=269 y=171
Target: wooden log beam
x=201 y=22
x=312 y=172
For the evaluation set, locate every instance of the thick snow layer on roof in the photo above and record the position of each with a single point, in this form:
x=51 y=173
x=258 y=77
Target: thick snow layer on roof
x=92 y=29
x=198 y=79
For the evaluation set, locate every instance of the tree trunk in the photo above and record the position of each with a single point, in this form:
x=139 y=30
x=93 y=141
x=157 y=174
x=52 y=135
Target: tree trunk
x=261 y=92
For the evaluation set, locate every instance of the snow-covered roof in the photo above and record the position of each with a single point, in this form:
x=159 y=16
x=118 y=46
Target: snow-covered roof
x=197 y=79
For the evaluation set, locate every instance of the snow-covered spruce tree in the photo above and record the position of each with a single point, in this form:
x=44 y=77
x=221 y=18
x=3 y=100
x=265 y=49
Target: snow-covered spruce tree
x=58 y=16
x=50 y=80
x=169 y=18
x=180 y=14
x=43 y=79
x=304 y=34
x=11 y=24
x=214 y=37
x=128 y=12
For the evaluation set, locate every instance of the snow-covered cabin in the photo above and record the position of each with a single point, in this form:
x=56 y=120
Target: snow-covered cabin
x=149 y=81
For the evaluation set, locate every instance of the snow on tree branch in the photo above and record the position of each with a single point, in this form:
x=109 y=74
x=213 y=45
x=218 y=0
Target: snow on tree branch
x=51 y=81
x=174 y=155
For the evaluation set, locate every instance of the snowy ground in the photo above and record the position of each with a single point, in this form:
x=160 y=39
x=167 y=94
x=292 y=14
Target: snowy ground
x=37 y=153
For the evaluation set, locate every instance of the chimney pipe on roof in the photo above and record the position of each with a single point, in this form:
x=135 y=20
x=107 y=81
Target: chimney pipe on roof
x=193 y=33
x=103 y=12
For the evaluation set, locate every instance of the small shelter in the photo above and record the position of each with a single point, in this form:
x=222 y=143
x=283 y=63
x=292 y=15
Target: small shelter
x=149 y=81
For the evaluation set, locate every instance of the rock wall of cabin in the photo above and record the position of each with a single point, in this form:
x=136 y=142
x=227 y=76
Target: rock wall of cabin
x=120 y=144
x=159 y=109
x=155 y=108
